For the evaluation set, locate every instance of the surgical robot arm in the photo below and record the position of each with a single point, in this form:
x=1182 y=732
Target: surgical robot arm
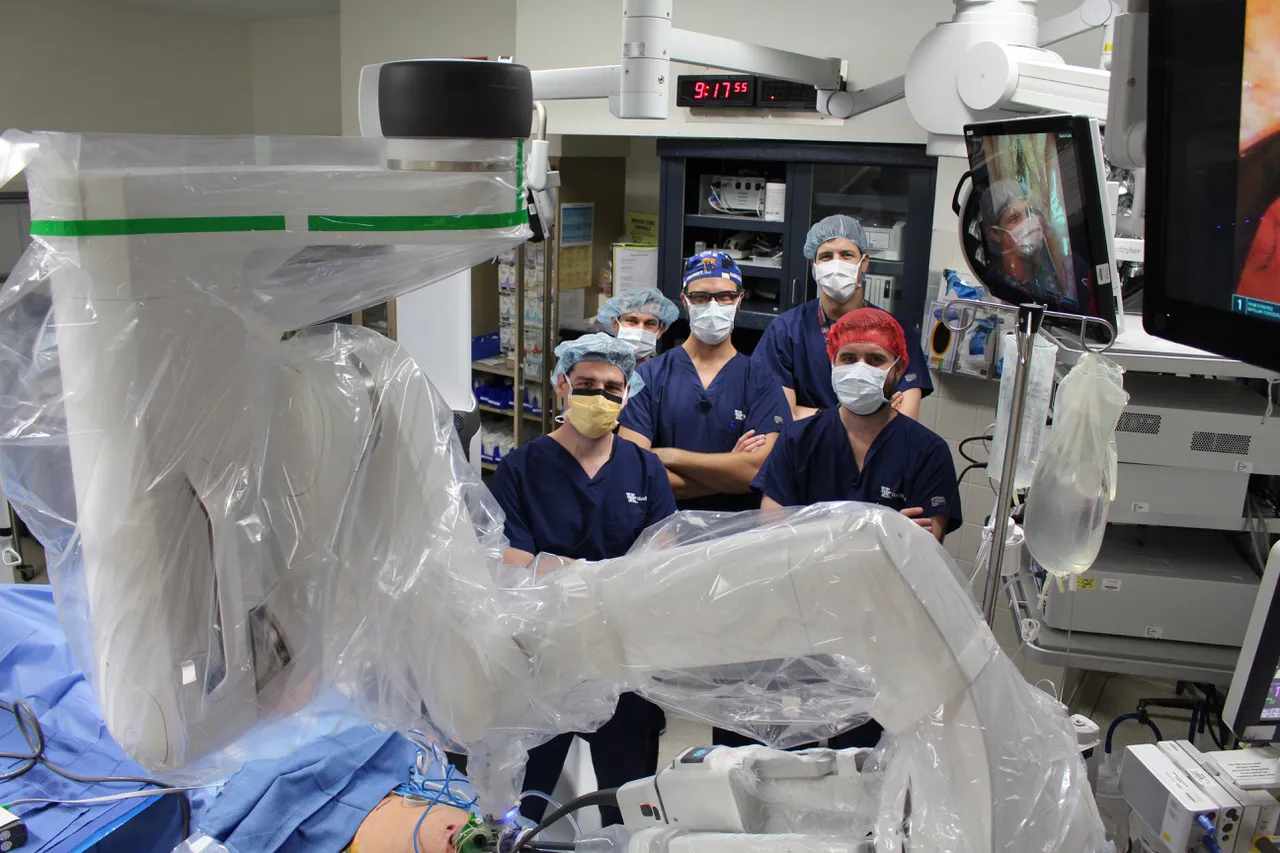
x=989 y=760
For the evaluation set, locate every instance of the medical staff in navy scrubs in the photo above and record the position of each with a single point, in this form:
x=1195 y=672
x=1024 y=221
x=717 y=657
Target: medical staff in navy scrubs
x=582 y=493
x=708 y=412
x=865 y=450
x=794 y=346
x=638 y=317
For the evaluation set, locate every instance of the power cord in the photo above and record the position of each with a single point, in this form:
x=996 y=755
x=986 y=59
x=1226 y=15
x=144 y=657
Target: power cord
x=1140 y=717
x=966 y=442
x=603 y=797
x=33 y=734
x=973 y=466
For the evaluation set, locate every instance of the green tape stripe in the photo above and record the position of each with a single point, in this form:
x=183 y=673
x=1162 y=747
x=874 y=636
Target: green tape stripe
x=468 y=222
x=163 y=225
x=520 y=205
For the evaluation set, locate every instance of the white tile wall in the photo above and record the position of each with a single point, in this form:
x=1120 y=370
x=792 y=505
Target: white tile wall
x=929 y=411
x=962 y=407
x=976 y=497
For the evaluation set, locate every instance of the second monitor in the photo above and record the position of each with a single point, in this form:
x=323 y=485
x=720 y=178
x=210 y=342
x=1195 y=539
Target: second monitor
x=1042 y=232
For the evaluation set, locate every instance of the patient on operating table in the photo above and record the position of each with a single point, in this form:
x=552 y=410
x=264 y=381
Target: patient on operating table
x=358 y=791
x=391 y=826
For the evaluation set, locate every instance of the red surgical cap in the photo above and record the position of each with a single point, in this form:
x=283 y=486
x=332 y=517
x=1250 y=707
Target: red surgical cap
x=868 y=326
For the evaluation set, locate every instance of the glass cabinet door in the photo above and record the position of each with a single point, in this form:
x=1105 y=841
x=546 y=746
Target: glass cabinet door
x=882 y=197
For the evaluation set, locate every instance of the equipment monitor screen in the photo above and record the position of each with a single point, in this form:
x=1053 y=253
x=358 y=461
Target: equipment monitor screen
x=1213 y=156
x=1041 y=233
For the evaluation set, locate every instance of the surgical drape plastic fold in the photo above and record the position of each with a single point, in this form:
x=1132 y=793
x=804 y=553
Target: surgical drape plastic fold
x=243 y=524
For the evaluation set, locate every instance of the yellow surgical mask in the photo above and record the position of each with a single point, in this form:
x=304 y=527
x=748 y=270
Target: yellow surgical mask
x=593 y=413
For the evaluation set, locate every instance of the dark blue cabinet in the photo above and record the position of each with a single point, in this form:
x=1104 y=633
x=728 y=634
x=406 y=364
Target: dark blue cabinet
x=890 y=187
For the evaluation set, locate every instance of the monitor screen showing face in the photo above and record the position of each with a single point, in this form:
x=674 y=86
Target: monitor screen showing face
x=1257 y=288
x=1034 y=189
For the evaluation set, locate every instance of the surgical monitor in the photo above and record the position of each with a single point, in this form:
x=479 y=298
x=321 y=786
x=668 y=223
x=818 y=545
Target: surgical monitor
x=1213 y=208
x=1038 y=229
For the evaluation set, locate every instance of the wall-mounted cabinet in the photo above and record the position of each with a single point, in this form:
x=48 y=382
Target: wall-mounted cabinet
x=707 y=195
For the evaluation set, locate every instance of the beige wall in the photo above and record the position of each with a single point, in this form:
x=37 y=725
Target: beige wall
x=85 y=65
x=382 y=30
x=297 y=80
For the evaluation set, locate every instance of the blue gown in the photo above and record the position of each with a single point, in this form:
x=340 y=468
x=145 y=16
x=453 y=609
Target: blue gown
x=553 y=506
x=675 y=410
x=908 y=465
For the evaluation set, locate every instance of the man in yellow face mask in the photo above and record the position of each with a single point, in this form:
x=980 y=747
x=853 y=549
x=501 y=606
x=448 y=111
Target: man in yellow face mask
x=583 y=493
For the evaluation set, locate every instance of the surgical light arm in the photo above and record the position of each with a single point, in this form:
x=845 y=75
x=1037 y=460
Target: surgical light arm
x=993 y=50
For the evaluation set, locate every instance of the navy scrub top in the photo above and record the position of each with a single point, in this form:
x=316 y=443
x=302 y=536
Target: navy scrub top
x=908 y=465
x=674 y=410
x=551 y=505
x=794 y=347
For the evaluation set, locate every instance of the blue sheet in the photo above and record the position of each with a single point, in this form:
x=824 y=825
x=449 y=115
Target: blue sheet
x=36 y=665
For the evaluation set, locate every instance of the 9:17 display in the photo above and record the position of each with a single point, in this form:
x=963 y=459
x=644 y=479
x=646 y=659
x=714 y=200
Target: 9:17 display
x=716 y=89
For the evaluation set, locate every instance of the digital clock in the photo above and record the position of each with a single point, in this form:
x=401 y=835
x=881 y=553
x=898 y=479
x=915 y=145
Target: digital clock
x=740 y=91
x=785 y=95
x=694 y=90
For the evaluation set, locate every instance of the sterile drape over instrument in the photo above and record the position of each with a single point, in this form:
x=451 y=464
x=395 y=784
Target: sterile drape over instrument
x=241 y=523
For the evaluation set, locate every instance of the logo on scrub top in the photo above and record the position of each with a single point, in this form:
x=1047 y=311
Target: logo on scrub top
x=777 y=419
x=889 y=494
x=910 y=377
x=740 y=415
x=938 y=501
x=633 y=498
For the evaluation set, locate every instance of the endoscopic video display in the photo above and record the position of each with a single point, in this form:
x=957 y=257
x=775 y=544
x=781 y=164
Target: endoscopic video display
x=1030 y=196
x=1257 y=290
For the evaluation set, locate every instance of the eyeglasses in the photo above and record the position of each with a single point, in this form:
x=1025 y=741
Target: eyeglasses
x=702 y=297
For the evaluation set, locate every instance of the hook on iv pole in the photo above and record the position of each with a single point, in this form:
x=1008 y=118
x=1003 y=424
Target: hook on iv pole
x=1030 y=317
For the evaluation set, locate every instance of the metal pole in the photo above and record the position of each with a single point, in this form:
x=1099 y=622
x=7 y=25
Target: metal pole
x=1029 y=319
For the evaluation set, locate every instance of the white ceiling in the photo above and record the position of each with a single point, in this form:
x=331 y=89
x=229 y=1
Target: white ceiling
x=245 y=10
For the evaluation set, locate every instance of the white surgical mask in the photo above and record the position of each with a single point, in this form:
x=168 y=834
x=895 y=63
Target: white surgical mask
x=1028 y=235
x=838 y=279
x=859 y=386
x=643 y=341
x=712 y=323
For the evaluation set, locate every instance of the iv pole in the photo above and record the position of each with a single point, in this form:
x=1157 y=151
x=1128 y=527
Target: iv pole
x=1029 y=320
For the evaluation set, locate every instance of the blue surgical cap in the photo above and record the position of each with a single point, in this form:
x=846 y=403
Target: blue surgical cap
x=647 y=301
x=599 y=347
x=831 y=228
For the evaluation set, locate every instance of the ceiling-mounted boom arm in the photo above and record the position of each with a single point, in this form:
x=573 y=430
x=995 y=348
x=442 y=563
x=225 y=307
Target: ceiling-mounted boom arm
x=638 y=87
x=991 y=51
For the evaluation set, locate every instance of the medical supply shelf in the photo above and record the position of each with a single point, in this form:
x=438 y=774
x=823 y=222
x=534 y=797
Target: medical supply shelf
x=524 y=300
x=881 y=185
x=736 y=223
x=493 y=410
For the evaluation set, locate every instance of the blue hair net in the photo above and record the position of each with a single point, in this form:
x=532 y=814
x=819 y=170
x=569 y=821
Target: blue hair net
x=832 y=227
x=648 y=301
x=599 y=347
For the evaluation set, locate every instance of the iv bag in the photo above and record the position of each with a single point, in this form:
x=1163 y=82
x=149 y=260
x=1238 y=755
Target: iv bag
x=1075 y=480
x=1035 y=408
